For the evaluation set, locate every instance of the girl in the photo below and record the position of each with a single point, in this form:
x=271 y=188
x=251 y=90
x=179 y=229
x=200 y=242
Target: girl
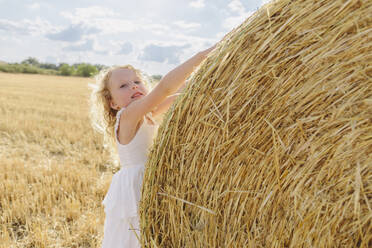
x=123 y=108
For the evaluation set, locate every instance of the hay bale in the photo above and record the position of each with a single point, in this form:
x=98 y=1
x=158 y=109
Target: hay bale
x=271 y=143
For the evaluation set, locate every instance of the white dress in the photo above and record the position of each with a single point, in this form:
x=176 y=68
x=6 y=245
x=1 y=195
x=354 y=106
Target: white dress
x=121 y=228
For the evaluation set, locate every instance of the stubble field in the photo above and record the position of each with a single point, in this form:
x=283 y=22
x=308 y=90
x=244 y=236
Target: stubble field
x=54 y=172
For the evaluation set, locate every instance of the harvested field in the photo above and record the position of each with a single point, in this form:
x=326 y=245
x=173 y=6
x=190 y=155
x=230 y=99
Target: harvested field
x=53 y=170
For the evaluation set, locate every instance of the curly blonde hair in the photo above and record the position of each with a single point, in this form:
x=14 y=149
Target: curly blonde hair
x=103 y=117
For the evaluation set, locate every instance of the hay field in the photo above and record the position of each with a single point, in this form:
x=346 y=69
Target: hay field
x=53 y=170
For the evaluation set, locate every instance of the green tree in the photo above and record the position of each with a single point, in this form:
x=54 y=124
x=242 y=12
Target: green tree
x=86 y=70
x=48 y=66
x=31 y=61
x=66 y=70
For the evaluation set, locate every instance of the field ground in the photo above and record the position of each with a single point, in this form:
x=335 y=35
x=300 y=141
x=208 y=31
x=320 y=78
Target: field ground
x=54 y=172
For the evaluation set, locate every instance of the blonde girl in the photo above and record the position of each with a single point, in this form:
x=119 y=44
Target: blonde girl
x=124 y=110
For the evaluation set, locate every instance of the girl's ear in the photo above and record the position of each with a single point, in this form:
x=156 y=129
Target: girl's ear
x=113 y=105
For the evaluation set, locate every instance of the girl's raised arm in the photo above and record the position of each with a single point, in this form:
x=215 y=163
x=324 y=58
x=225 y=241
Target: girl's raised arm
x=168 y=85
x=175 y=78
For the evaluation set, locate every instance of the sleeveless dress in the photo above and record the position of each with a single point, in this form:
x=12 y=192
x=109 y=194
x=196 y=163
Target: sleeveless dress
x=121 y=228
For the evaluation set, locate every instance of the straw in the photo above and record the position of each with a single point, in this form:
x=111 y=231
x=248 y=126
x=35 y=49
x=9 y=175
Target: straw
x=273 y=135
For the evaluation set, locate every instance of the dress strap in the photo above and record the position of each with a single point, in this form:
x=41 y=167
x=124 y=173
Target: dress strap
x=118 y=114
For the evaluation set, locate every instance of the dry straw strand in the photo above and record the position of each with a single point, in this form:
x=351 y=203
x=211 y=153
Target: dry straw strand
x=273 y=134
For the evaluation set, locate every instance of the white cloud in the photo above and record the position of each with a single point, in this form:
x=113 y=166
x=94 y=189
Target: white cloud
x=100 y=18
x=88 y=13
x=72 y=33
x=88 y=46
x=110 y=22
x=34 y=6
x=237 y=16
x=37 y=26
x=155 y=28
x=163 y=53
x=197 y=4
x=125 y=48
x=236 y=6
x=113 y=25
x=82 y=46
x=187 y=25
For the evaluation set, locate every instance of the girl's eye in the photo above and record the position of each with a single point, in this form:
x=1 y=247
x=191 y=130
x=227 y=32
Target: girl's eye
x=123 y=85
x=137 y=82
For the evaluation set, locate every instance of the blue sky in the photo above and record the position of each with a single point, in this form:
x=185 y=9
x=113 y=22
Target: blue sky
x=152 y=35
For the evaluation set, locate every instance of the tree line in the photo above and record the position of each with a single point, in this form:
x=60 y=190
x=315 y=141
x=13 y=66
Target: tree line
x=33 y=66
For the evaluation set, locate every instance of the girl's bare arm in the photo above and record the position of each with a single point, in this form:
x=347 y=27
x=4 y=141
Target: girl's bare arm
x=165 y=105
x=167 y=86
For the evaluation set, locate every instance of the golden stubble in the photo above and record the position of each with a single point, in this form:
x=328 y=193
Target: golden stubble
x=54 y=172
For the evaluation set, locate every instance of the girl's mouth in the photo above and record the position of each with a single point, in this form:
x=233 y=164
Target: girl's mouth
x=137 y=94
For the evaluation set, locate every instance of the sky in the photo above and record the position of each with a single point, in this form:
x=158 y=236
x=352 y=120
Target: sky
x=152 y=35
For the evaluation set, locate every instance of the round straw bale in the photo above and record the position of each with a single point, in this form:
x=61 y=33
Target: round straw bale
x=270 y=145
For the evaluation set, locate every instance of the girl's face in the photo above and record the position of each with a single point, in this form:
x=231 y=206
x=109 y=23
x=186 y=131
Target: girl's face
x=125 y=87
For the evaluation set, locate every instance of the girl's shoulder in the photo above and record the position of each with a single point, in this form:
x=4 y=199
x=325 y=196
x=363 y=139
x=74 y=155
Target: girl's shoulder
x=125 y=131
